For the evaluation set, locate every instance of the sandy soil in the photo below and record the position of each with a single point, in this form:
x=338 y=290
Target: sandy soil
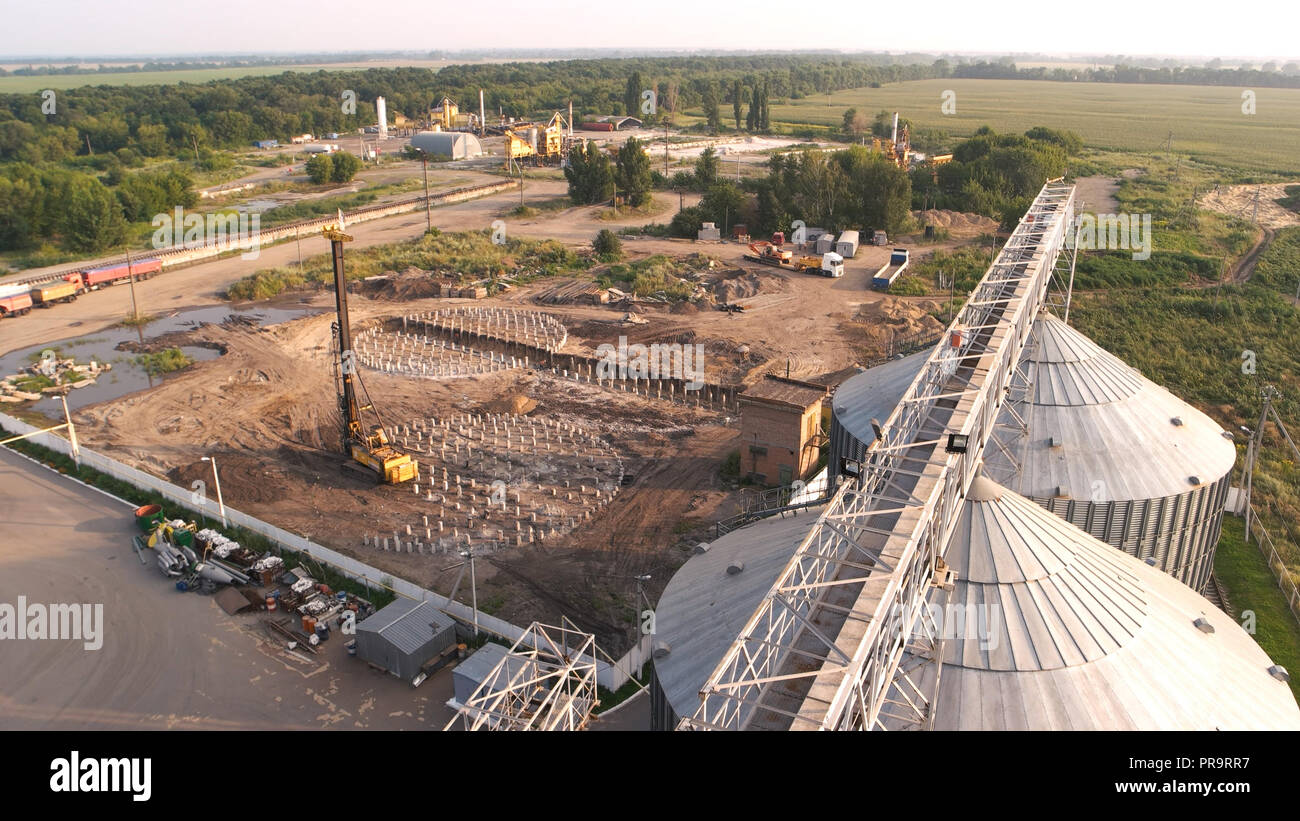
x=1096 y=194
x=1240 y=201
x=266 y=409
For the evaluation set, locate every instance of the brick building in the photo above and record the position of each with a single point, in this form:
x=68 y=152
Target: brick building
x=780 y=424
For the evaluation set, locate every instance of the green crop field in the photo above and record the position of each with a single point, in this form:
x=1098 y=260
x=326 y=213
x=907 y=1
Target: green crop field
x=1207 y=121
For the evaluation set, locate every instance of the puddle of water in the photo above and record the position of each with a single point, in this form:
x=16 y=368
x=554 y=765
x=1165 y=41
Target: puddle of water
x=260 y=205
x=127 y=376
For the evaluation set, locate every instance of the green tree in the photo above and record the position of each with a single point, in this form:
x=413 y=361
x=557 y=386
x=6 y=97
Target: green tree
x=632 y=94
x=722 y=204
x=737 y=91
x=608 y=246
x=92 y=218
x=633 y=172
x=712 y=109
x=320 y=168
x=706 y=168
x=344 y=167
x=590 y=174
x=855 y=124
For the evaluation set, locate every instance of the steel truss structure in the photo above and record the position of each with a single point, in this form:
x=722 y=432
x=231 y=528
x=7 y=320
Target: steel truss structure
x=837 y=641
x=546 y=682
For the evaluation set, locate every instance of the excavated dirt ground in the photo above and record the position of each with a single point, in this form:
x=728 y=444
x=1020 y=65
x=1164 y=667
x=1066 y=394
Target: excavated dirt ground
x=267 y=411
x=1240 y=201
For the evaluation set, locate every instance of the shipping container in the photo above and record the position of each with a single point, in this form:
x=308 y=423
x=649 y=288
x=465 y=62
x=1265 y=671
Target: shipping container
x=847 y=245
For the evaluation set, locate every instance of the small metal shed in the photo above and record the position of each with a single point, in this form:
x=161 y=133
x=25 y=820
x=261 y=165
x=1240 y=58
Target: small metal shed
x=471 y=672
x=825 y=242
x=405 y=635
x=847 y=246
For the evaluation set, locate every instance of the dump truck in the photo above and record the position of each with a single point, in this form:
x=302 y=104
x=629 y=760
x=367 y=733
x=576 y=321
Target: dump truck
x=15 y=303
x=890 y=270
x=52 y=292
x=94 y=278
x=829 y=264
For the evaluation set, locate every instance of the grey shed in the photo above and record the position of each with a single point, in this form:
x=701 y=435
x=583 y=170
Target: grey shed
x=405 y=635
x=471 y=672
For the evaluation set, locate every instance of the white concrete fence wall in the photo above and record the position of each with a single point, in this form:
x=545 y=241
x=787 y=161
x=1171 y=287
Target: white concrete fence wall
x=610 y=676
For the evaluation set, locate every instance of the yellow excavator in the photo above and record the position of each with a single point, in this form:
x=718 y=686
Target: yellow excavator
x=370 y=449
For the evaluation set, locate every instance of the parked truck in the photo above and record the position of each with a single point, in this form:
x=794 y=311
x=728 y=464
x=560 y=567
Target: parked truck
x=829 y=264
x=15 y=303
x=52 y=292
x=890 y=270
x=94 y=278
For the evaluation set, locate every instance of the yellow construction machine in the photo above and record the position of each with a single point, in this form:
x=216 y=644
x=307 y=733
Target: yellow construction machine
x=538 y=145
x=370 y=449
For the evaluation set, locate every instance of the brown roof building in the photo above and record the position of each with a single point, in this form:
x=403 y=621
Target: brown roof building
x=780 y=424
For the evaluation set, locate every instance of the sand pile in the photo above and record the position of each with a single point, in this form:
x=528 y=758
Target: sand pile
x=956 y=223
x=517 y=404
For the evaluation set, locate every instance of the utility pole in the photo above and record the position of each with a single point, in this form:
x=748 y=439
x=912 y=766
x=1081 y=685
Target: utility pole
x=473 y=587
x=130 y=277
x=297 y=237
x=428 y=208
x=1267 y=395
x=665 y=146
x=72 y=432
x=221 y=505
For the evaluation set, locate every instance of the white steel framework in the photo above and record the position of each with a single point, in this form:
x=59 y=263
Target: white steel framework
x=546 y=682
x=823 y=650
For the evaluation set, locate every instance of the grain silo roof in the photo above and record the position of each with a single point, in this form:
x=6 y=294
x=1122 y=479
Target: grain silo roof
x=1099 y=430
x=1088 y=637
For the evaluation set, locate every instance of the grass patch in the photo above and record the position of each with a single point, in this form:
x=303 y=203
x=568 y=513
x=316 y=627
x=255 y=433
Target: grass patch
x=168 y=360
x=137 y=321
x=652 y=207
x=33 y=382
x=1250 y=584
x=545 y=206
x=463 y=256
x=1279 y=266
x=658 y=275
x=631 y=687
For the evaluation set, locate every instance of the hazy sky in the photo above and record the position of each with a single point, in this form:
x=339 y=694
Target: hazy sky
x=57 y=28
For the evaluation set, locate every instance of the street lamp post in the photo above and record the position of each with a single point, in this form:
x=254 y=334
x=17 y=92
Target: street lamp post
x=473 y=587
x=428 y=207
x=221 y=505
